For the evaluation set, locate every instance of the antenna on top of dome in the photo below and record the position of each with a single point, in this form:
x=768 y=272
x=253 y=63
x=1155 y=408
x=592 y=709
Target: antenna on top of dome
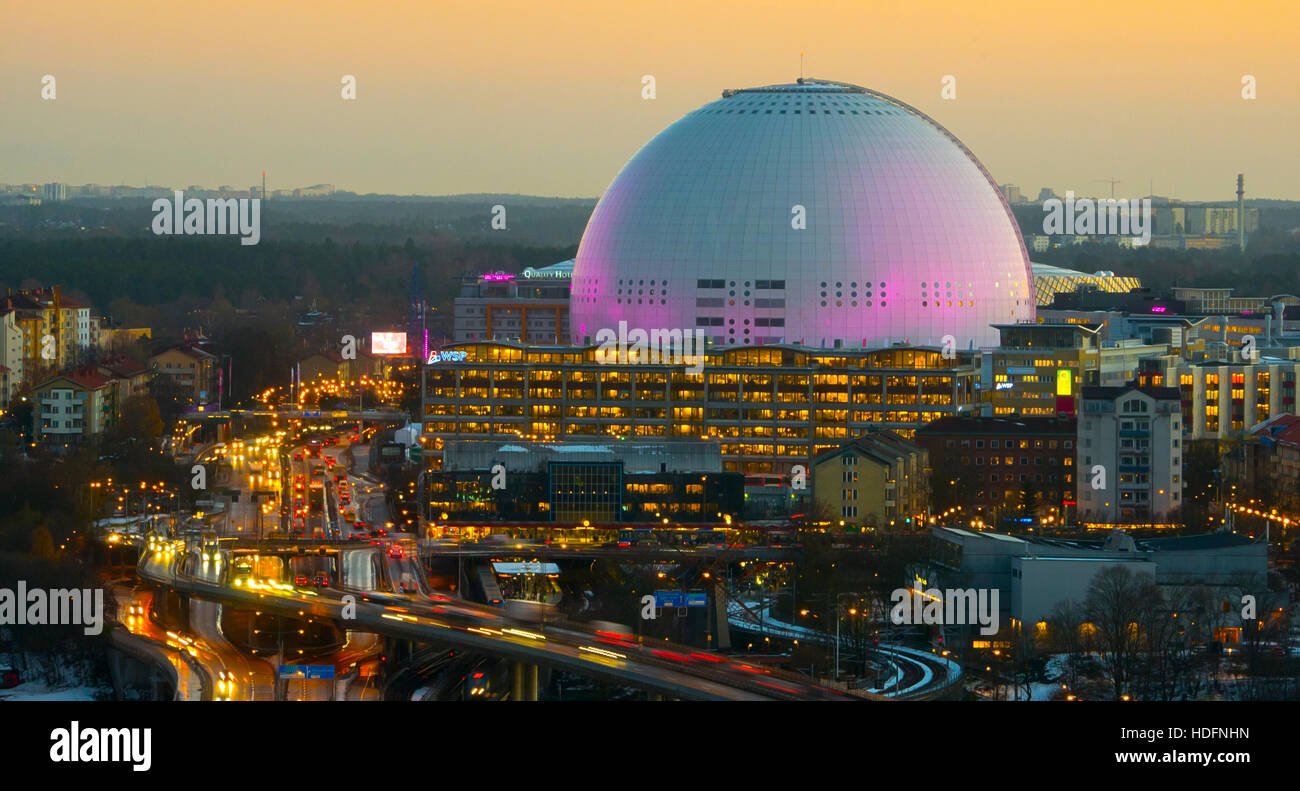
x=800 y=67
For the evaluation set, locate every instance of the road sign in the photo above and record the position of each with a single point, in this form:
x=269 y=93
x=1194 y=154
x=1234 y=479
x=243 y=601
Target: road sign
x=307 y=671
x=697 y=599
x=669 y=599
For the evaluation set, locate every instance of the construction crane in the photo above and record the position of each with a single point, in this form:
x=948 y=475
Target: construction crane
x=1112 y=182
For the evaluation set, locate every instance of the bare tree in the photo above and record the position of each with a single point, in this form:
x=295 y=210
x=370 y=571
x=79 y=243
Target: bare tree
x=1026 y=658
x=1116 y=603
x=1166 y=668
x=1065 y=629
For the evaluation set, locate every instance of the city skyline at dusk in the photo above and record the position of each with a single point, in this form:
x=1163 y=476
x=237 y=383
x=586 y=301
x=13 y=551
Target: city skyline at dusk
x=522 y=99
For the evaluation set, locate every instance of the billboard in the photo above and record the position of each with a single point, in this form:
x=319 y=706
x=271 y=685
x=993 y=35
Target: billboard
x=388 y=343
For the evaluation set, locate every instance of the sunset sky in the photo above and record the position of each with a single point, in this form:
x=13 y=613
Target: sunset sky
x=544 y=98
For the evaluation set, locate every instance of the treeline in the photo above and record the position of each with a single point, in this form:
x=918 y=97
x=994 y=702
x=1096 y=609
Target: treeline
x=1249 y=273
x=372 y=219
x=157 y=270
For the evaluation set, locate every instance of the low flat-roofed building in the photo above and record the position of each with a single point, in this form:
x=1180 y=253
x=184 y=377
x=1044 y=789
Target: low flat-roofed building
x=597 y=481
x=1034 y=574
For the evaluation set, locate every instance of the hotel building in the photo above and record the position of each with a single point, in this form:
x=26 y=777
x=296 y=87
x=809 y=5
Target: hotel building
x=770 y=407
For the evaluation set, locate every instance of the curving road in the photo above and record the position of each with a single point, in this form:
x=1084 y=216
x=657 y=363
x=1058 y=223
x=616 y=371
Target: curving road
x=664 y=668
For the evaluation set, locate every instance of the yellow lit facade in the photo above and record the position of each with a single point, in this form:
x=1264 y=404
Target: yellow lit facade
x=770 y=406
x=1035 y=363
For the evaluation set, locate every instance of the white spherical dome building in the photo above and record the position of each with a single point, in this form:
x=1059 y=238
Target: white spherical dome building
x=818 y=213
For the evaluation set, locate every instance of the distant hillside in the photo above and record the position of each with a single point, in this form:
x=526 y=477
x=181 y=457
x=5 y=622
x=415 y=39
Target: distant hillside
x=342 y=217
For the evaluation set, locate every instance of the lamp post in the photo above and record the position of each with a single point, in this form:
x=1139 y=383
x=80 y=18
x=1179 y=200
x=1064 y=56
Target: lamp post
x=839 y=615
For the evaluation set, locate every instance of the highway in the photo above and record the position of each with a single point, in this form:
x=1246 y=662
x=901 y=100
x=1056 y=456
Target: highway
x=676 y=671
x=387 y=593
x=913 y=673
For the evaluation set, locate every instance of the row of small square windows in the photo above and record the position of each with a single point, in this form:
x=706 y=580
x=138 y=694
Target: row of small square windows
x=797 y=112
x=716 y=321
x=762 y=285
x=839 y=303
x=858 y=103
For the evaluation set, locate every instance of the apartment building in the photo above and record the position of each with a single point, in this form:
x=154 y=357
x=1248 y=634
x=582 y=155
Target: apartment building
x=877 y=479
x=1130 y=449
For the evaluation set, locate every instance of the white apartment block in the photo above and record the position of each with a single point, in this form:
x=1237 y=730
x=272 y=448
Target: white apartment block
x=1131 y=442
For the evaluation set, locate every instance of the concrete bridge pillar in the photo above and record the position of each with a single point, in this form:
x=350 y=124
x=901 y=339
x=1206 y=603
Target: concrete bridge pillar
x=530 y=682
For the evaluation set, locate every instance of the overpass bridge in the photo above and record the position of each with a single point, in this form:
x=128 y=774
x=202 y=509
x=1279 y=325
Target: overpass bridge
x=676 y=671
x=205 y=413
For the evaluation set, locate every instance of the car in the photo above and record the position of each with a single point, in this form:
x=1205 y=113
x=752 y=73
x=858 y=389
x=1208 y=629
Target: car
x=320 y=579
x=135 y=610
x=300 y=579
x=242 y=572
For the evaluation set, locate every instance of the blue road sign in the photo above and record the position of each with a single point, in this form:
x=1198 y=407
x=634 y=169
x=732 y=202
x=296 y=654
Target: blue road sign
x=697 y=599
x=307 y=671
x=668 y=599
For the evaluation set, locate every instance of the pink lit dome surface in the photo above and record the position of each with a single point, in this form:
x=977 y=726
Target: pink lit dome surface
x=907 y=237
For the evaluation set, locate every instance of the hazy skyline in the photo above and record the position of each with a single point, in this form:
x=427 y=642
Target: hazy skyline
x=545 y=99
